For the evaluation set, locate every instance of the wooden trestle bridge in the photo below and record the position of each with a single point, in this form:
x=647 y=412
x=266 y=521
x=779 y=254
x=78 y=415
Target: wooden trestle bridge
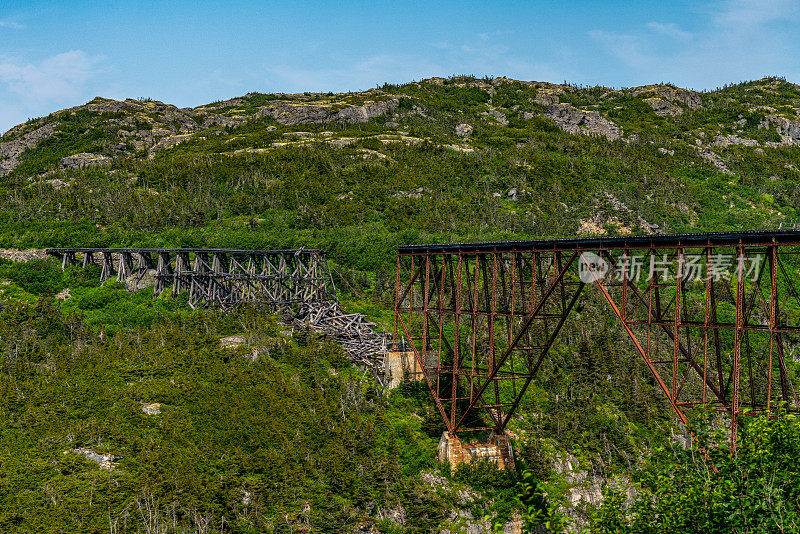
x=714 y=317
x=297 y=282
x=215 y=277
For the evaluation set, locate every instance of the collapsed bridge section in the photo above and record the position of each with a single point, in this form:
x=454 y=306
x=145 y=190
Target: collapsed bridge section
x=298 y=282
x=714 y=317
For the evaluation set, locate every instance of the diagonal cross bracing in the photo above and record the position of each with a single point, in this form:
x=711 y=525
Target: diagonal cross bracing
x=217 y=277
x=298 y=282
x=711 y=316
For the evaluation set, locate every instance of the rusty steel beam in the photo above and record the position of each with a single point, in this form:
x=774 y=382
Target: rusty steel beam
x=490 y=313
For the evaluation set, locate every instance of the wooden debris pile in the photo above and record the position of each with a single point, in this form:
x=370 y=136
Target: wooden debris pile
x=352 y=331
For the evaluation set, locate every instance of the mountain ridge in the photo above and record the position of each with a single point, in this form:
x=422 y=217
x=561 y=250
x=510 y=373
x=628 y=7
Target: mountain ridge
x=443 y=158
x=135 y=125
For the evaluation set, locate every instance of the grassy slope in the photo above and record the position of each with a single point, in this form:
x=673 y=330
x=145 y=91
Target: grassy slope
x=294 y=438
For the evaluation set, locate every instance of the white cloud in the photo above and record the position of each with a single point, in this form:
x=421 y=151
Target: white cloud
x=479 y=54
x=33 y=89
x=737 y=40
x=58 y=77
x=669 y=30
x=11 y=24
x=630 y=49
x=742 y=14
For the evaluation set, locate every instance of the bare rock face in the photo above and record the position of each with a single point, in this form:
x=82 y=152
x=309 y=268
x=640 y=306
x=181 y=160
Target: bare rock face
x=663 y=107
x=232 y=342
x=547 y=93
x=222 y=120
x=141 y=281
x=496 y=115
x=576 y=121
x=151 y=408
x=711 y=157
x=105 y=461
x=546 y=99
x=10 y=151
x=108 y=105
x=464 y=130
x=84 y=160
x=728 y=140
x=671 y=94
x=23 y=255
x=288 y=113
x=168 y=142
x=789 y=130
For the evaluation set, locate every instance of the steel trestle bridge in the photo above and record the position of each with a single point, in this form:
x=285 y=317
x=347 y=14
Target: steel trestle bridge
x=714 y=317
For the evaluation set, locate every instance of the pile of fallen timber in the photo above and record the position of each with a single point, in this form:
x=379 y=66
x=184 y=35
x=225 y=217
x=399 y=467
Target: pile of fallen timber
x=352 y=331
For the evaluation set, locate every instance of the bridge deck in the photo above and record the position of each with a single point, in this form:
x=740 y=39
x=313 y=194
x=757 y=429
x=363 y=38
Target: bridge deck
x=656 y=241
x=314 y=251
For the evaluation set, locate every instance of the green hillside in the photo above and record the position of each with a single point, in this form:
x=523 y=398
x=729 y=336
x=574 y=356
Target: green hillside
x=324 y=169
x=299 y=440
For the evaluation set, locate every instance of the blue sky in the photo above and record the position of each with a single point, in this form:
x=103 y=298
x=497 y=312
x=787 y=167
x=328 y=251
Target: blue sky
x=60 y=54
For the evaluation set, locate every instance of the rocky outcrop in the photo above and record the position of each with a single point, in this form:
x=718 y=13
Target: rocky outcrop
x=789 y=130
x=464 y=130
x=23 y=255
x=141 y=280
x=106 y=461
x=496 y=115
x=144 y=124
x=711 y=157
x=728 y=140
x=546 y=99
x=670 y=94
x=548 y=93
x=109 y=105
x=663 y=107
x=151 y=408
x=222 y=120
x=290 y=113
x=585 y=487
x=84 y=160
x=167 y=142
x=10 y=151
x=576 y=121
